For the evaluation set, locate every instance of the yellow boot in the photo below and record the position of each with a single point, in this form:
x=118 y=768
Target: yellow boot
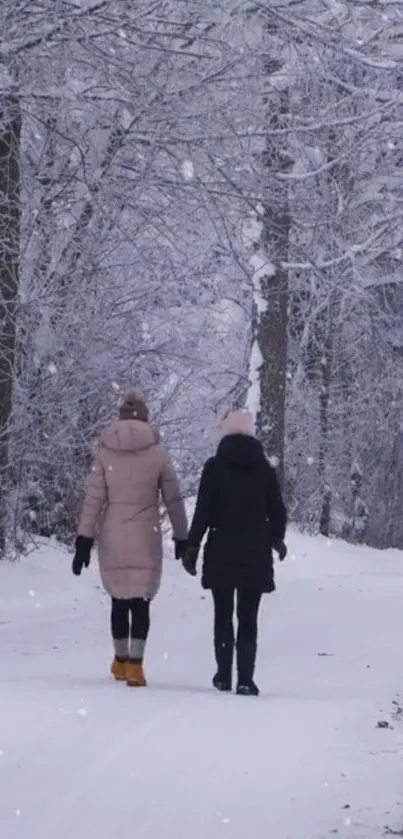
x=135 y=677
x=119 y=669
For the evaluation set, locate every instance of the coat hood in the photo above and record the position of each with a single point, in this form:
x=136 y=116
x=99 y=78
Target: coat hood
x=240 y=451
x=128 y=436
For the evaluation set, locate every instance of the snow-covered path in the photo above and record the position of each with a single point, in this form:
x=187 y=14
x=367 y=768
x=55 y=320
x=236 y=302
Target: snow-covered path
x=81 y=756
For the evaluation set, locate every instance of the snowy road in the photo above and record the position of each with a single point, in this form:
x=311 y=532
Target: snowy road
x=81 y=756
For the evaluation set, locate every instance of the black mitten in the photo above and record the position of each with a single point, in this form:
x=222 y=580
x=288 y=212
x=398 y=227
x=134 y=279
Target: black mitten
x=281 y=549
x=181 y=546
x=82 y=555
x=190 y=559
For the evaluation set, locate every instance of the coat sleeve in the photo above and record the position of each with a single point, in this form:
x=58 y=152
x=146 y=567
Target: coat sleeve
x=173 y=500
x=276 y=510
x=95 y=497
x=202 y=518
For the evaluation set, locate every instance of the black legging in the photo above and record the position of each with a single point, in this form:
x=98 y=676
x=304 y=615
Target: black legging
x=138 y=610
x=247 y=612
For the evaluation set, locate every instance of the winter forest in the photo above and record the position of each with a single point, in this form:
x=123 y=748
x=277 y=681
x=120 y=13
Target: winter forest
x=203 y=198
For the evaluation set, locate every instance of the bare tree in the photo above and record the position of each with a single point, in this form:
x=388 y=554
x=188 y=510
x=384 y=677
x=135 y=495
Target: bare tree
x=10 y=138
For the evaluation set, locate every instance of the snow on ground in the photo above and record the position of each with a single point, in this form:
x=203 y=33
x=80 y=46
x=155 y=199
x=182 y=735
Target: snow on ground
x=81 y=756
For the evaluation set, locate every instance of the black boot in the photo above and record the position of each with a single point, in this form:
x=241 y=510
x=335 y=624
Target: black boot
x=224 y=654
x=246 y=658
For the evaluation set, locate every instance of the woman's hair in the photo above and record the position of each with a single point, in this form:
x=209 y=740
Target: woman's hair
x=134 y=406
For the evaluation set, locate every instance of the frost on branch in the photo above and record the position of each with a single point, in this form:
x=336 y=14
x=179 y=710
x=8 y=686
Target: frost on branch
x=204 y=203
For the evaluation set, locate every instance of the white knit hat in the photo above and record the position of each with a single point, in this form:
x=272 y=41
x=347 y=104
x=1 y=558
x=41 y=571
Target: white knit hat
x=238 y=422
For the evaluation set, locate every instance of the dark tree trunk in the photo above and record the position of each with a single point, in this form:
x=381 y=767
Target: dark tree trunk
x=10 y=137
x=271 y=330
x=324 y=399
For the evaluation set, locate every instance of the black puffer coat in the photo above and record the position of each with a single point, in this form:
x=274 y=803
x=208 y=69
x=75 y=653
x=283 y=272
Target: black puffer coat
x=240 y=505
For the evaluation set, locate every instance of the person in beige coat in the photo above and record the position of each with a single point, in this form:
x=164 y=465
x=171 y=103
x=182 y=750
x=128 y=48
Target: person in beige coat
x=121 y=512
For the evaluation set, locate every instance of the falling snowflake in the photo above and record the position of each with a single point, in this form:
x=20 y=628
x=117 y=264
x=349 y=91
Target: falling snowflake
x=188 y=171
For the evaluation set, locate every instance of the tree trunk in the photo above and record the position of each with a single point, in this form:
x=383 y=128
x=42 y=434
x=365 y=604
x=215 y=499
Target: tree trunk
x=324 y=399
x=272 y=338
x=271 y=323
x=10 y=137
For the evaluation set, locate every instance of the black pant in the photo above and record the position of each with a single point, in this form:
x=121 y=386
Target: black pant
x=247 y=612
x=130 y=618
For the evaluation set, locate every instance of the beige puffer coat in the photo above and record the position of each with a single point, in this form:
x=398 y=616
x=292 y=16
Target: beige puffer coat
x=121 y=508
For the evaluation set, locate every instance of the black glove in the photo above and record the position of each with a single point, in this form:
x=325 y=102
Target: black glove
x=82 y=555
x=181 y=546
x=281 y=549
x=190 y=559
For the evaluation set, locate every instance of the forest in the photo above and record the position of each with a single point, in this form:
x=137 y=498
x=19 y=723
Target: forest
x=203 y=198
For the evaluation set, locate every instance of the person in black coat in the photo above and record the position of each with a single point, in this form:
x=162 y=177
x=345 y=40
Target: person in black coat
x=240 y=507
